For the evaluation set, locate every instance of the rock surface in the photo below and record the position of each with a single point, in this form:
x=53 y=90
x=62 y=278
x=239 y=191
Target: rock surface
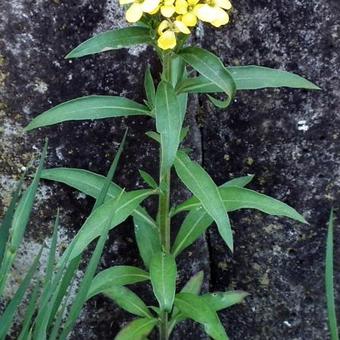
x=288 y=139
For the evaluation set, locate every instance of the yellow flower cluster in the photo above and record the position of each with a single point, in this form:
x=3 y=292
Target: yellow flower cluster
x=178 y=16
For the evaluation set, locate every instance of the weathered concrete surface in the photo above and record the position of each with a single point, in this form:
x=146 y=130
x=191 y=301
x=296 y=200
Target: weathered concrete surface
x=288 y=139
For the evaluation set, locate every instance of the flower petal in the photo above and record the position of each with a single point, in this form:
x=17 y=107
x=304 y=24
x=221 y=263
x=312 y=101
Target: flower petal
x=150 y=5
x=181 y=7
x=167 y=40
x=205 y=12
x=222 y=18
x=226 y=4
x=168 y=11
x=134 y=13
x=181 y=27
x=189 y=19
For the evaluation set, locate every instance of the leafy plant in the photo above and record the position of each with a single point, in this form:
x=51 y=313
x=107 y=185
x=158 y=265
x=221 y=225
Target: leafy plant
x=166 y=28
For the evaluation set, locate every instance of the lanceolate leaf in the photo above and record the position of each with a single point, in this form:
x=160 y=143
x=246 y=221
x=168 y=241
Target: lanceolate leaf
x=91 y=184
x=235 y=198
x=94 y=224
x=238 y=182
x=211 y=67
x=168 y=122
x=163 y=273
x=112 y=40
x=148 y=179
x=138 y=329
x=128 y=300
x=248 y=78
x=147 y=237
x=203 y=187
x=149 y=86
x=118 y=275
x=329 y=281
x=194 y=225
x=88 y=108
x=193 y=286
x=195 y=308
x=222 y=300
x=197 y=221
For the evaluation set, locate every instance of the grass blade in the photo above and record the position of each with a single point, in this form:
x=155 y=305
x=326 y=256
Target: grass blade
x=8 y=315
x=19 y=223
x=329 y=275
x=29 y=314
x=7 y=221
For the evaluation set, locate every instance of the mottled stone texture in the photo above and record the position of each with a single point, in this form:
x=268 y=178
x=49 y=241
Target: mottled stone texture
x=288 y=138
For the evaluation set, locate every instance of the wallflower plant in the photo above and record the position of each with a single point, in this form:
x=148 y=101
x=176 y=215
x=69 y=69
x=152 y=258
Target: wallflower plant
x=166 y=25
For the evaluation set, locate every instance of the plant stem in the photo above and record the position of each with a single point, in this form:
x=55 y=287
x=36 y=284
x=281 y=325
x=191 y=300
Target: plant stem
x=164 y=206
x=163 y=328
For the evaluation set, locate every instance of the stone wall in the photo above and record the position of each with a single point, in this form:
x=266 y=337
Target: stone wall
x=288 y=138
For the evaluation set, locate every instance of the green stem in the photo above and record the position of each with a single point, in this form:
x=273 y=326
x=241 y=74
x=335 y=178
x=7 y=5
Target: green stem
x=164 y=205
x=163 y=329
x=163 y=208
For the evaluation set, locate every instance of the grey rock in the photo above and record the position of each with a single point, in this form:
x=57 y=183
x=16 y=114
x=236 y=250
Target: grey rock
x=288 y=139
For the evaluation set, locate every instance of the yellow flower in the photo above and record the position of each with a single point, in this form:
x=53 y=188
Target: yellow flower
x=167 y=33
x=138 y=7
x=214 y=12
x=187 y=10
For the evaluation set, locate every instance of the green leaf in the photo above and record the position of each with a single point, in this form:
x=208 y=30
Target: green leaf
x=193 y=286
x=127 y=300
x=235 y=198
x=222 y=300
x=20 y=221
x=137 y=329
x=238 y=182
x=149 y=87
x=112 y=40
x=211 y=67
x=42 y=318
x=163 y=274
x=329 y=281
x=148 y=179
x=117 y=275
x=147 y=238
x=91 y=184
x=203 y=187
x=168 y=123
x=194 y=225
x=197 y=221
x=248 y=78
x=221 y=104
x=194 y=307
x=94 y=224
x=88 y=108
x=258 y=77
x=108 y=180
x=154 y=135
x=7 y=317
